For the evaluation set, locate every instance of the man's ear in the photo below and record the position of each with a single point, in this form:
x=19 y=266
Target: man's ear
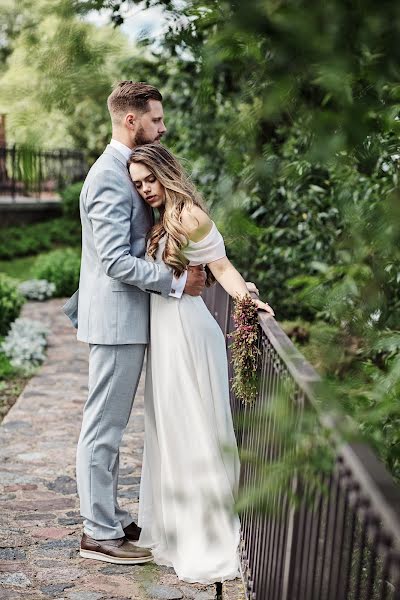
x=130 y=120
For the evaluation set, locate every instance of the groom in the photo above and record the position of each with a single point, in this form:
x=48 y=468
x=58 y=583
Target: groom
x=111 y=313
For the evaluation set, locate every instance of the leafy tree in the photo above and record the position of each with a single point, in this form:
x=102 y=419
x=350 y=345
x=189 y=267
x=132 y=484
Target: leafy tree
x=289 y=114
x=58 y=76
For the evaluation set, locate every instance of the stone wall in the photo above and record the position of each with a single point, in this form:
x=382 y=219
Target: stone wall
x=28 y=212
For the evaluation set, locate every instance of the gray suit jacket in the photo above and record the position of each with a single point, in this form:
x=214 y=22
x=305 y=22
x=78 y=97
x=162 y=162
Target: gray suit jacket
x=111 y=305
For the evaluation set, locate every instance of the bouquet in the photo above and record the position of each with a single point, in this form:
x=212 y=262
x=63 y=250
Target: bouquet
x=244 y=349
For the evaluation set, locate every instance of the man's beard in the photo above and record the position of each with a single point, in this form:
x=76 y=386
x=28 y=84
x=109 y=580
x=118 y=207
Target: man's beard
x=140 y=138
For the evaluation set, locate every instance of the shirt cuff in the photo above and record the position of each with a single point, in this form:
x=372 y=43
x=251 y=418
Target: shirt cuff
x=178 y=285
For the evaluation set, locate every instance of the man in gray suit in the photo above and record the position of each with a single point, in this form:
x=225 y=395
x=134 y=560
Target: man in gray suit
x=111 y=313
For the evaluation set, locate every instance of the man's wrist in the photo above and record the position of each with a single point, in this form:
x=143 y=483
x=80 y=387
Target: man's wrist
x=178 y=285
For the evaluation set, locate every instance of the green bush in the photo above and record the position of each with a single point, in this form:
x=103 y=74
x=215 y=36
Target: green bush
x=11 y=302
x=61 y=267
x=6 y=369
x=38 y=237
x=70 y=200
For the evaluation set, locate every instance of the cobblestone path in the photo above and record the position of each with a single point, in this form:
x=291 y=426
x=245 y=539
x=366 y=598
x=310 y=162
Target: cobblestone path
x=40 y=524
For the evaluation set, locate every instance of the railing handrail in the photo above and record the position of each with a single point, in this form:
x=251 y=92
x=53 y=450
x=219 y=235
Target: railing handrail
x=354 y=504
x=383 y=490
x=302 y=371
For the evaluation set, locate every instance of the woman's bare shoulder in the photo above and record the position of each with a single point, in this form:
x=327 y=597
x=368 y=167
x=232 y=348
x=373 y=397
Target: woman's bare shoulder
x=196 y=223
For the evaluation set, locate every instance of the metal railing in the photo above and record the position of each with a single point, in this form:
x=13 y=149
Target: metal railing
x=331 y=536
x=29 y=172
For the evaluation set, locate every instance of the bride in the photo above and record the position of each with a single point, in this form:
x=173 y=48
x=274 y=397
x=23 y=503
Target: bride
x=190 y=467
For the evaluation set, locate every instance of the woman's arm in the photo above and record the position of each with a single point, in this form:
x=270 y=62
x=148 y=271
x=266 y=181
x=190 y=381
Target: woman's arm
x=232 y=281
x=198 y=224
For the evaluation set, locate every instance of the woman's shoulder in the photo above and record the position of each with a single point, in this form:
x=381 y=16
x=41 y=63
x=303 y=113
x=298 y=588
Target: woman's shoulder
x=196 y=223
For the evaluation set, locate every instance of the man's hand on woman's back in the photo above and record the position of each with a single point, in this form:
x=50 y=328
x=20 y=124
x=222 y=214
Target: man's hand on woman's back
x=196 y=281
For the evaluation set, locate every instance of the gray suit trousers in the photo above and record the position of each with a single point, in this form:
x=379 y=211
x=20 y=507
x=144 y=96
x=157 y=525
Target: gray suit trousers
x=114 y=373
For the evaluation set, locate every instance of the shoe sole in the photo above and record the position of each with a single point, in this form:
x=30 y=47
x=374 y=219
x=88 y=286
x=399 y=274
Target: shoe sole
x=114 y=559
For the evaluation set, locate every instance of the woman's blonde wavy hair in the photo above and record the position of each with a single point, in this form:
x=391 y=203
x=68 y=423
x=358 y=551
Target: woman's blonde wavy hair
x=180 y=193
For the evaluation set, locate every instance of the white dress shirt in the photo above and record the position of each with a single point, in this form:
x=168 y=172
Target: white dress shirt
x=178 y=283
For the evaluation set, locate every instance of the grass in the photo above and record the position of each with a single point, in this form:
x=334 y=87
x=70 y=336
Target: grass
x=12 y=382
x=29 y=240
x=20 y=268
x=10 y=389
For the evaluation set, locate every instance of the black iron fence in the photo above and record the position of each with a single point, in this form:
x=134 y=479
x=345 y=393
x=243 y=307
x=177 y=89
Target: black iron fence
x=28 y=172
x=331 y=535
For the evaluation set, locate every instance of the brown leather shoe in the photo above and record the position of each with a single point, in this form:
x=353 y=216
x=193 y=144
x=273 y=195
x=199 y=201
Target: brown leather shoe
x=119 y=551
x=132 y=532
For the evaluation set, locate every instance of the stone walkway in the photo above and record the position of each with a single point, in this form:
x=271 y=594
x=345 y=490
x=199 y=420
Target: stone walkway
x=40 y=524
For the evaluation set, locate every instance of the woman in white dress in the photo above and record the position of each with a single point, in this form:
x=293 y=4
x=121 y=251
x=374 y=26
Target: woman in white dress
x=190 y=469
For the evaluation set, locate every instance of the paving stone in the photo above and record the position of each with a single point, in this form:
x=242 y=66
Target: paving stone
x=59 y=574
x=45 y=564
x=51 y=504
x=233 y=590
x=132 y=597
x=8 y=477
x=126 y=470
x=59 y=553
x=119 y=569
x=12 y=554
x=14 y=539
x=55 y=588
x=81 y=595
x=204 y=595
x=10 y=594
x=129 y=493
x=6 y=497
x=17 y=542
x=112 y=586
x=31 y=456
x=35 y=517
x=63 y=484
x=129 y=481
x=33 y=393
x=69 y=543
x=163 y=592
x=70 y=520
x=17 y=579
x=12 y=566
x=38 y=498
x=12 y=425
x=20 y=486
x=50 y=532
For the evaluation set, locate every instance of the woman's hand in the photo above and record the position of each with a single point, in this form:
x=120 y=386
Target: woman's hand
x=264 y=306
x=233 y=283
x=252 y=287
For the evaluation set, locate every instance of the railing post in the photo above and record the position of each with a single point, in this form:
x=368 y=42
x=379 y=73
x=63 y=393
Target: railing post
x=13 y=171
x=39 y=187
x=292 y=538
x=60 y=167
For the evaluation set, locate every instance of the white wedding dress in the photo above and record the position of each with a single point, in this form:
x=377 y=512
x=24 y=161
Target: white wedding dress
x=190 y=469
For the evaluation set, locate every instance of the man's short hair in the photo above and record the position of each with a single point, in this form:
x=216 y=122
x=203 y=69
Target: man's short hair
x=131 y=96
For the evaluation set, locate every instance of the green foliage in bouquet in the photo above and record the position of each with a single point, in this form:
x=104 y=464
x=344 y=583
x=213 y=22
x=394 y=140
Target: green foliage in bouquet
x=60 y=267
x=11 y=301
x=244 y=349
